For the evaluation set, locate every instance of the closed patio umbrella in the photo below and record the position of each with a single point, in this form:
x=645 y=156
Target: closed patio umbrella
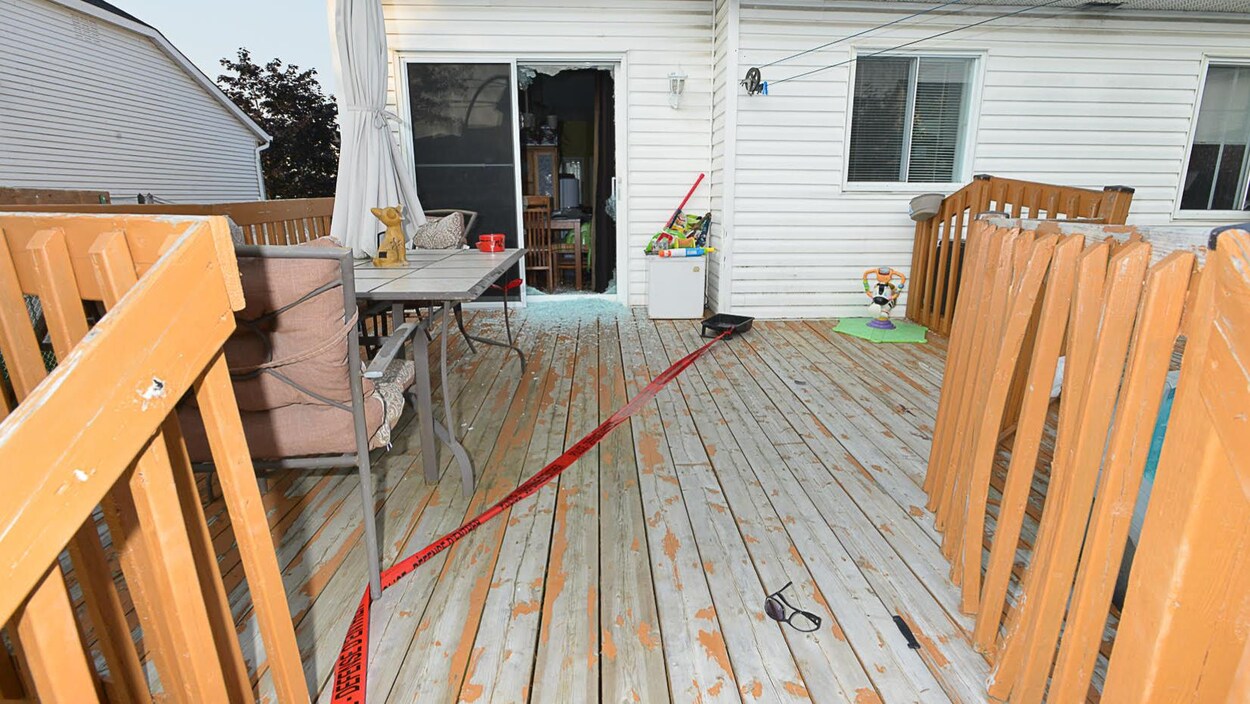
x=372 y=173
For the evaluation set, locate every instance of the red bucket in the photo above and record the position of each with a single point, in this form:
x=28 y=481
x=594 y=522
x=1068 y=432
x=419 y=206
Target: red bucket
x=490 y=243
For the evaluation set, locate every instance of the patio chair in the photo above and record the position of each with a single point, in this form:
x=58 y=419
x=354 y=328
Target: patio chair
x=296 y=364
x=538 y=255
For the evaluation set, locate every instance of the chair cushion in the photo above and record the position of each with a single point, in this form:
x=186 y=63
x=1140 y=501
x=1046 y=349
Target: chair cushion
x=441 y=233
x=304 y=429
x=271 y=284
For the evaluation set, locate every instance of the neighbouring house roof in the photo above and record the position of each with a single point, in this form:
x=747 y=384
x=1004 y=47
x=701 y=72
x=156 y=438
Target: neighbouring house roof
x=1234 y=6
x=110 y=7
x=108 y=12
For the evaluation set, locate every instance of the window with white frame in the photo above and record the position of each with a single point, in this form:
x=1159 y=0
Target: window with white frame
x=909 y=120
x=1219 y=160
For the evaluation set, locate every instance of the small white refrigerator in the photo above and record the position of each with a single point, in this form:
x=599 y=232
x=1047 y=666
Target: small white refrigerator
x=675 y=287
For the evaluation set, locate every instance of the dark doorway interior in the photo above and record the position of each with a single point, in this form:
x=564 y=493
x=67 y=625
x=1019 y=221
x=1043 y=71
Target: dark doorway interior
x=568 y=155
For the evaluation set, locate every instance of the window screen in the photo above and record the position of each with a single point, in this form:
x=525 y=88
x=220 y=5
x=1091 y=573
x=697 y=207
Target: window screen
x=908 y=119
x=1218 y=161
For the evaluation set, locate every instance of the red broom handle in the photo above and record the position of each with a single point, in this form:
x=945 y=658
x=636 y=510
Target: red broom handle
x=685 y=200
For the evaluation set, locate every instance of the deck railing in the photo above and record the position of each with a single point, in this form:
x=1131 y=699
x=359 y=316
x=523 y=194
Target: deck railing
x=100 y=430
x=938 y=249
x=1116 y=319
x=263 y=221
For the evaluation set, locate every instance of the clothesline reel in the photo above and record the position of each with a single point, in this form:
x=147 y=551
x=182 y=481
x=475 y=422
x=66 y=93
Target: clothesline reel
x=753 y=82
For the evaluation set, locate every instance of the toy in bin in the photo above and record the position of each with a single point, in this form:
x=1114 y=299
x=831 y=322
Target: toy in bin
x=884 y=293
x=683 y=231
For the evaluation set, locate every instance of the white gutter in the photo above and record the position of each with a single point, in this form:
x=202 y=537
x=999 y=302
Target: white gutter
x=260 y=171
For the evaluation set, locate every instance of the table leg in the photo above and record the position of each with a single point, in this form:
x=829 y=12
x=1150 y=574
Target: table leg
x=459 y=309
x=425 y=406
x=510 y=344
x=457 y=450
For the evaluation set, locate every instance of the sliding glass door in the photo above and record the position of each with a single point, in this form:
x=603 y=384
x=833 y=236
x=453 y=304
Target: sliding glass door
x=463 y=118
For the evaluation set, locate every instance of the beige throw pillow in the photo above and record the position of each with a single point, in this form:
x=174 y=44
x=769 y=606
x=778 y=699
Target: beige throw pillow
x=441 y=233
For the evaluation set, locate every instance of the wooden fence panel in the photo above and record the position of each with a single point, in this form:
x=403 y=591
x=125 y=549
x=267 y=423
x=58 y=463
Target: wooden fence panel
x=962 y=380
x=1023 y=294
x=951 y=513
x=290 y=221
x=958 y=360
x=1027 y=439
x=103 y=434
x=1136 y=410
x=67 y=325
x=1182 y=634
x=1030 y=645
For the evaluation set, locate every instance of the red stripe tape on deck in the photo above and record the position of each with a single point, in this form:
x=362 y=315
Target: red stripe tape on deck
x=353 y=662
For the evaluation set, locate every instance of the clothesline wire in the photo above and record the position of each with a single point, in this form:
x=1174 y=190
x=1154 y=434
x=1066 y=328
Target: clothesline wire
x=870 y=30
x=915 y=41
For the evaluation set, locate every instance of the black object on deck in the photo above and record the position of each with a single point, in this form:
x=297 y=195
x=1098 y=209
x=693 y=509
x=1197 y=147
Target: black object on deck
x=723 y=321
x=906 y=631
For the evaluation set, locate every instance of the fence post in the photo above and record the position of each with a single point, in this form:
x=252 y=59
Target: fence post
x=1115 y=202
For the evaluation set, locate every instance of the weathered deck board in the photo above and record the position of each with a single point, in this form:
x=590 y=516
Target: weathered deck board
x=631 y=664
x=501 y=666
x=681 y=575
x=567 y=668
x=790 y=454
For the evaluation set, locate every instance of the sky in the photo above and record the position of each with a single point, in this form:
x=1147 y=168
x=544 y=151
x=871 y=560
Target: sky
x=295 y=31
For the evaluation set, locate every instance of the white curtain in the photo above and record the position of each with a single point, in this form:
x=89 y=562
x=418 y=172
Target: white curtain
x=372 y=172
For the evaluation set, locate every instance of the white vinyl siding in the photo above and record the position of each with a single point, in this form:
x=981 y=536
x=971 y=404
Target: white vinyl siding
x=85 y=104
x=1077 y=99
x=666 y=149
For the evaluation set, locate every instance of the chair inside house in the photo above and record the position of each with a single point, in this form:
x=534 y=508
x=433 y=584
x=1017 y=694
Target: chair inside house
x=295 y=362
x=565 y=257
x=538 y=254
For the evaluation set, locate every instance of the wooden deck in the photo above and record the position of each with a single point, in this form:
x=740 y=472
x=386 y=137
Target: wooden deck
x=788 y=455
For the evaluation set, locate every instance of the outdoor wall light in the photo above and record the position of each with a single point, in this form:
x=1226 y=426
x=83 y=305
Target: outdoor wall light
x=676 y=86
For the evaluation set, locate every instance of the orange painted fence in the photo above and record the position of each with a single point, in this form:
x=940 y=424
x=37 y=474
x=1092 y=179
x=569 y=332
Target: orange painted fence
x=1115 y=314
x=939 y=249
x=263 y=221
x=98 y=436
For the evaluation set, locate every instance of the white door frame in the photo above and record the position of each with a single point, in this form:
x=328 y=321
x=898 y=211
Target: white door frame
x=617 y=60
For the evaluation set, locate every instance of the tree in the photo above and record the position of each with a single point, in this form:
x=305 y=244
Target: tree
x=289 y=104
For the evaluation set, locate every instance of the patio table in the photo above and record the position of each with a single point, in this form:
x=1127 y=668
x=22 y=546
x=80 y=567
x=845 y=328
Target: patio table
x=445 y=277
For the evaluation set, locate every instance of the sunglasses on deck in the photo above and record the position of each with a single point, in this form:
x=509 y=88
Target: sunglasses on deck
x=782 y=611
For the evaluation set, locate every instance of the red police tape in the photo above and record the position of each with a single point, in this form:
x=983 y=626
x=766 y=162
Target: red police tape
x=353 y=662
